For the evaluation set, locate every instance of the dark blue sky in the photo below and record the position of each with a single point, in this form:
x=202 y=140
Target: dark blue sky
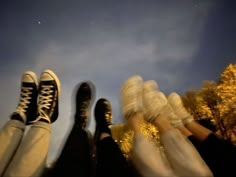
x=178 y=43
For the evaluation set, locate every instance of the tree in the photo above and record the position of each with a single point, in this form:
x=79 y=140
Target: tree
x=216 y=100
x=196 y=105
x=124 y=136
x=208 y=93
x=226 y=91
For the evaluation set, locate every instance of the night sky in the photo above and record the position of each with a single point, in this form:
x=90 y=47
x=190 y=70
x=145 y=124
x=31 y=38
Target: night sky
x=178 y=43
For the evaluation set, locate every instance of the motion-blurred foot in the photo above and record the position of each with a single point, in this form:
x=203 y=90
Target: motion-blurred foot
x=103 y=117
x=131 y=96
x=176 y=103
x=84 y=100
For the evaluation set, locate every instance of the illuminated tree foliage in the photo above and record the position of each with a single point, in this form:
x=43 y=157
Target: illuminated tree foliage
x=216 y=101
x=196 y=105
x=123 y=136
x=226 y=91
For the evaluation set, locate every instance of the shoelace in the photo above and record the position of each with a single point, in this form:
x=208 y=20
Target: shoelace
x=45 y=99
x=24 y=100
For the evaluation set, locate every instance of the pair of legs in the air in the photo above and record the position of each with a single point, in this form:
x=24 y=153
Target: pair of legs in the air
x=143 y=100
x=219 y=154
x=38 y=107
x=76 y=157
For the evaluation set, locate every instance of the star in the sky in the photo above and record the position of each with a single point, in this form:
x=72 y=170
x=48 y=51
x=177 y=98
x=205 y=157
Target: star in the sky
x=39 y=22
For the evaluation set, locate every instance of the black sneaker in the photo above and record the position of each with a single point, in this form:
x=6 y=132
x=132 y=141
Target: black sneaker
x=49 y=91
x=27 y=106
x=103 y=117
x=84 y=98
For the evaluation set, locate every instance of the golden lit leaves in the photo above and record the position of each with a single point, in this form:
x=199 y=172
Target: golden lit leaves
x=124 y=136
x=216 y=101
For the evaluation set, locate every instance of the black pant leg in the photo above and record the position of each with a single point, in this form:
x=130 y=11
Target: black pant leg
x=110 y=160
x=224 y=154
x=218 y=154
x=206 y=155
x=75 y=158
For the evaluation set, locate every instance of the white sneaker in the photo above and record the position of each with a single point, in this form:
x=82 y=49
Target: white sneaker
x=131 y=96
x=150 y=85
x=153 y=102
x=176 y=103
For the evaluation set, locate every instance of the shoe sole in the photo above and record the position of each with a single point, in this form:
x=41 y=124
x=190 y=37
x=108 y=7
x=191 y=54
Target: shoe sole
x=33 y=76
x=55 y=77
